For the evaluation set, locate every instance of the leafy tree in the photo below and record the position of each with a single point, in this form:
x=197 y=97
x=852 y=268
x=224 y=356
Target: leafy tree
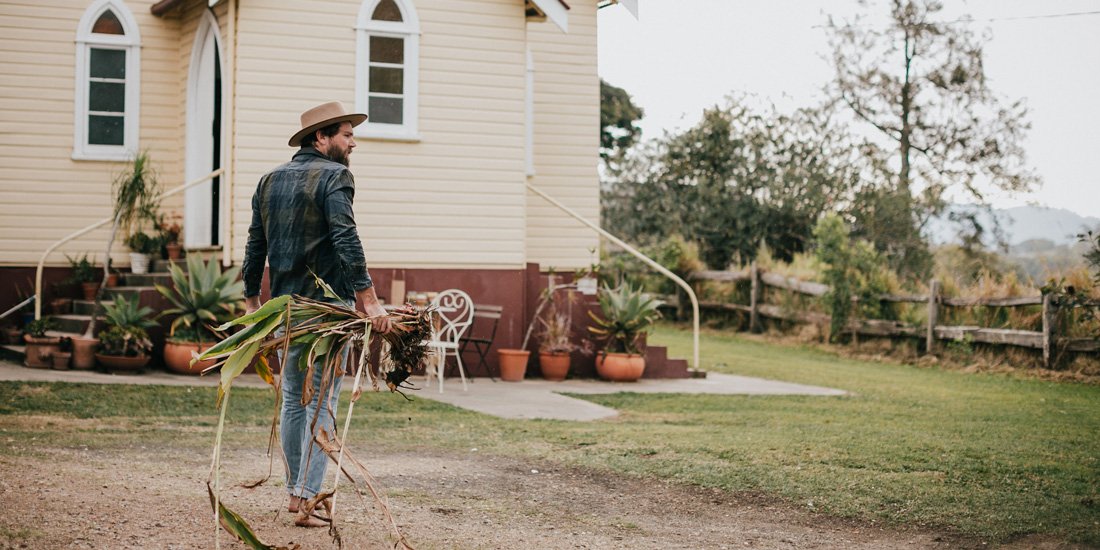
x=618 y=115
x=735 y=181
x=920 y=83
x=852 y=270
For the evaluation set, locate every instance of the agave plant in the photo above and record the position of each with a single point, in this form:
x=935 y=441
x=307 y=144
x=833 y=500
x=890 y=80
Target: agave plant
x=203 y=298
x=125 y=313
x=627 y=315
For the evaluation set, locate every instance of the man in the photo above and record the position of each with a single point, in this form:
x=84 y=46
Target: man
x=302 y=221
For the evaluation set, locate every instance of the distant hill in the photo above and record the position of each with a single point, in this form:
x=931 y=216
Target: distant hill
x=1021 y=224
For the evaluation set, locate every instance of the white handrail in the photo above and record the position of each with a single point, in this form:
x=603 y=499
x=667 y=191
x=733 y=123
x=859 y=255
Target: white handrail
x=648 y=261
x=94 y=226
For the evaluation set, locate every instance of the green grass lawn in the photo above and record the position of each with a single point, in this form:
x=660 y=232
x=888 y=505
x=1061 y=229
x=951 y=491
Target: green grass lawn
x=986 y=455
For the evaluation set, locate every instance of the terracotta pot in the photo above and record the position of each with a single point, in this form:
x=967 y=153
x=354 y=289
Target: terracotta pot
x=620 y=367
x=122 y=362
x=112 y=280
x=61 y=360
x=177 y=356
x=61 y=306
x=89 y=290
x=513 y=364
x=84 y=352
x=554 y=366
x=173 y=250
x=40 y=350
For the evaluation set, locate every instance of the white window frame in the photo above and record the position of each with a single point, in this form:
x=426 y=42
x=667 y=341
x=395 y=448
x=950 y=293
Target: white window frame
x=131 y=44
x=408 y=30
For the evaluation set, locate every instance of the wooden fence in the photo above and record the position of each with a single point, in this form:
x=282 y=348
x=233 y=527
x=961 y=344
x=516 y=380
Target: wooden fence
x=1045 y=340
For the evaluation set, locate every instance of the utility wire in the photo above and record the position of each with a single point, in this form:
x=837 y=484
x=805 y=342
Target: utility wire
x=991 y=19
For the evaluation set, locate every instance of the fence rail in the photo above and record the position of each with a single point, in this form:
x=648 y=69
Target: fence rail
x=1045 y=340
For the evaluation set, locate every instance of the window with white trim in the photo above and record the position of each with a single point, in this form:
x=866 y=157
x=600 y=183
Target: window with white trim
x=108 y=66
x=386 y=69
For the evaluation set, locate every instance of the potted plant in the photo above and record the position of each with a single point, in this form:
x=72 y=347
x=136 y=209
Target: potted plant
x=63 y=354
x=40 y=346
x=142 y=248
x=628 y=313
x=125 y=345
x=556 y=333
x=204 y=297
x=169 y=229
x=84 y=274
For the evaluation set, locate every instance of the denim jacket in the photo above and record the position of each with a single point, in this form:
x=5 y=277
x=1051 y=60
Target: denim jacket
x=302 y=220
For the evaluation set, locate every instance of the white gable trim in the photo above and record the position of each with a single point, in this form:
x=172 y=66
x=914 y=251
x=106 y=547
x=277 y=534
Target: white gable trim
x=555 y=11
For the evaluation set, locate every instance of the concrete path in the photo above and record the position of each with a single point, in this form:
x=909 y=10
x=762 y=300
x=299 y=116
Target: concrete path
x=533 y=398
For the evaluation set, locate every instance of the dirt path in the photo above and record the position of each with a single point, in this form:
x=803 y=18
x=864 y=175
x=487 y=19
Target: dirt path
x=152 y=498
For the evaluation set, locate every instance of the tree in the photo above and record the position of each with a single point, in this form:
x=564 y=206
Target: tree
x=921 y=85
x=617 y=117
x=735 y=181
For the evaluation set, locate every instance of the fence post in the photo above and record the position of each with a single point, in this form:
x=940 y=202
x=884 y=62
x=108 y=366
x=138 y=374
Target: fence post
x=1049 y=310
x=933 y=316
x=755 y=292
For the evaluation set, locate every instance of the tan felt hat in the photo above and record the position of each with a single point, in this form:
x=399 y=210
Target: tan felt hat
x=323 y=115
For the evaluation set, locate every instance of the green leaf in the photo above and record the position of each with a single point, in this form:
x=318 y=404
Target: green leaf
x=248 y=335
x=238 y=527
x=273 y=305
x=234 y=366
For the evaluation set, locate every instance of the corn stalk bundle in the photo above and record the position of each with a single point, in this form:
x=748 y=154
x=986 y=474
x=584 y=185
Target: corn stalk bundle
x=327 y=330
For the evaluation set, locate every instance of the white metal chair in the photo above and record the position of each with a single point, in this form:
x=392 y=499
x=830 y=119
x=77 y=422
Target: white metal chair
x=456 y=313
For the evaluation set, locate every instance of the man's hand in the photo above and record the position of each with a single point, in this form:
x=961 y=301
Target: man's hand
x=382 y=323
x=367 y=302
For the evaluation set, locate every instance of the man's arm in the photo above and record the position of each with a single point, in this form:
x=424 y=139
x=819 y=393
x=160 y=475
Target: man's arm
x=255 y=256
x=345 y=239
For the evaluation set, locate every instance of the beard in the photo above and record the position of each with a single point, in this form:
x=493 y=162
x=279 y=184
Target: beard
x=337 y=154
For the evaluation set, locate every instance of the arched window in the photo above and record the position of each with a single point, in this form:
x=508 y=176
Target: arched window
x=108 y=66
x=386 y=68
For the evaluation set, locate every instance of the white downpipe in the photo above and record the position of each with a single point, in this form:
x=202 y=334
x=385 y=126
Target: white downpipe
x=94 y=226
x=648 y=261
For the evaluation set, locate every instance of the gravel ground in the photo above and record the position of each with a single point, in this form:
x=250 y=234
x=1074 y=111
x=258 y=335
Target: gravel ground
x=153 y=496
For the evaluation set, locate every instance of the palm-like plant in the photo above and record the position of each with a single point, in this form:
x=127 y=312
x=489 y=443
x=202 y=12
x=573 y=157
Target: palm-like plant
x=203 y=297
x=627 y=315
x=126 y=314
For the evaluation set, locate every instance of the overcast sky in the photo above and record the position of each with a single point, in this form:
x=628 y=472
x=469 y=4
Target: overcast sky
x=685 y=55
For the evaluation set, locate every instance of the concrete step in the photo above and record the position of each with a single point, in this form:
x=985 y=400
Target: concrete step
x=161 y=266
x=85 y=307
x=148 y=279
x=71 y=323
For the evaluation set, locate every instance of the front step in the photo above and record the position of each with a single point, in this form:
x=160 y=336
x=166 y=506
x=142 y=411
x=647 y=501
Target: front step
x=658 y=365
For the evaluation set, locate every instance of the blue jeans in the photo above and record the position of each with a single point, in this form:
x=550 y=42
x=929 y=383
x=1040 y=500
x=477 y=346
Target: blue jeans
x=305 y=461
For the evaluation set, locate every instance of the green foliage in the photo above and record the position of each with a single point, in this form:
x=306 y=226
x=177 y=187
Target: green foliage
x=124 y=313
x=125 y=341
x=38 y=327
x=920 y=85
x=84 y=271
x=628 y=313
x=618 y=114
x=143 y=243
x=734 y=181
x=852 y=270
x=137 y=196
x=203 y=297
